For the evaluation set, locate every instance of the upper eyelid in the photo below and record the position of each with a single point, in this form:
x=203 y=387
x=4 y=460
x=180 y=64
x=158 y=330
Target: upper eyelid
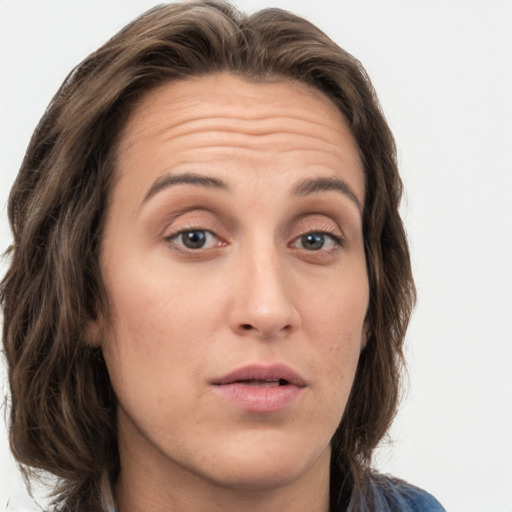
x=320 y=218
x=179 y=224
x=173 y=241
x=296 y=227
x=182 y=229
x=324 y=225
x=337 y=239
x=176 y=234
x=199 y=218
x=225 y=228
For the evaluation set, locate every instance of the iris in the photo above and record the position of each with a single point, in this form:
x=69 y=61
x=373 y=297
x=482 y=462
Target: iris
x=193 y=239
x=313 y=241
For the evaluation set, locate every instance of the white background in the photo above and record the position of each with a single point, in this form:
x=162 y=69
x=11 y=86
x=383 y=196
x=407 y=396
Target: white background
x=443 y=71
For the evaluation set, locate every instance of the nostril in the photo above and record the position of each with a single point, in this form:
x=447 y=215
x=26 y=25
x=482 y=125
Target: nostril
x=246 y=327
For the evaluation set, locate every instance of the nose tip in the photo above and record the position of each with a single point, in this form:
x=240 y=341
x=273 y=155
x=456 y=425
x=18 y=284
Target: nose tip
x=264 y=307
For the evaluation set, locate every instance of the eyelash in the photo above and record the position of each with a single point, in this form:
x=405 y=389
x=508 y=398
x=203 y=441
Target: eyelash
x=336 y=240
x=173 y=239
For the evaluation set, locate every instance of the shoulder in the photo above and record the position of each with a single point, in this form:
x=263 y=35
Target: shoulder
x=394 y=495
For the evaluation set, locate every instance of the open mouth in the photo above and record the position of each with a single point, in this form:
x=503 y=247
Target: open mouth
x=262 y=376
x=263 y=383
x=258 y=389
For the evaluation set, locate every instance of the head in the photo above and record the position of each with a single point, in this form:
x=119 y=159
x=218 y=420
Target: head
x=56 y=296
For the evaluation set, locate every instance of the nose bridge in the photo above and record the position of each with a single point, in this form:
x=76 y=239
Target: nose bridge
x=263 y=303
x=266 y=274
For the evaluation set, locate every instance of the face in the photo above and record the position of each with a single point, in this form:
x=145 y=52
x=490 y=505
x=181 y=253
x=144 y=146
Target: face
x=234 y=264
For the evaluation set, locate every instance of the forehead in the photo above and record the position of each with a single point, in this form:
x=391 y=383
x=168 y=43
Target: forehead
x=215 y=118
x=216 y=92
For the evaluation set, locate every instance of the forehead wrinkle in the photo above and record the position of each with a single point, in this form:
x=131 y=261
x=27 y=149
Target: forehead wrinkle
x=302 y=150
x=179 y=111
x=176 y=122
x=185 y=119
x=233 y=139
x=250 y=125
x=224 y=140
x=277 y=126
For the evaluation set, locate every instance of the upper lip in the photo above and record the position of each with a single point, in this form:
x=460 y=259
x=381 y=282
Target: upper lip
x=262 y=372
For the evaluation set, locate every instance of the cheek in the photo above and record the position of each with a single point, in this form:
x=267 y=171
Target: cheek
x=148 y=353
x=146 y=323
x=338 y=315
x=156 y=340
x=156 y=298
x=337 y=322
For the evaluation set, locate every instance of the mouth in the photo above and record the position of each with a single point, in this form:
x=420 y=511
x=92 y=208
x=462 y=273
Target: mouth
x=261 y=389
x=265 y=383
x=262 y=376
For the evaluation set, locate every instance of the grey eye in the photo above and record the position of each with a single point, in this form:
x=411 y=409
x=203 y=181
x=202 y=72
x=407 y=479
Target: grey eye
x=312 y=241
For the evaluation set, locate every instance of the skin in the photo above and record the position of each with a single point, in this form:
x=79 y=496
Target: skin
x=256 y=292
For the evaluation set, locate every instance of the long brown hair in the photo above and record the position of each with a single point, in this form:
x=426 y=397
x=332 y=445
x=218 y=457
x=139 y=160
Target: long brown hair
x=62 y=411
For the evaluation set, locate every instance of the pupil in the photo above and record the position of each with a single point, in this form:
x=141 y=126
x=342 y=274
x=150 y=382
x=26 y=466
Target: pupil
x=313 y=241
x=194 y=239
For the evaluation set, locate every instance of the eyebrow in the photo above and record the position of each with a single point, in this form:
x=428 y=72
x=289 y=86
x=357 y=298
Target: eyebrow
x=303 y=188
x=314 y=185
x=188 y=178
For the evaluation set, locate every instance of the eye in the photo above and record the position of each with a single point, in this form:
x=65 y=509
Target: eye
x=194 y=239
x=316 y=241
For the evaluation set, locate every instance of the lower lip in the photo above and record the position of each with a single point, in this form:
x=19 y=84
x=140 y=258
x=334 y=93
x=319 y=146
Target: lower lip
x=259 y=399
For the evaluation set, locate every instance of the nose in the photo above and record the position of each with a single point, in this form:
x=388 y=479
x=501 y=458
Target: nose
x=263 y=304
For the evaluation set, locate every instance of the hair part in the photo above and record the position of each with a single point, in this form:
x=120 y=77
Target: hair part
x=62 y=414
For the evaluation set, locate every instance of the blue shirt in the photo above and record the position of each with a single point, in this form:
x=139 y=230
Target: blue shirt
x=387 y=494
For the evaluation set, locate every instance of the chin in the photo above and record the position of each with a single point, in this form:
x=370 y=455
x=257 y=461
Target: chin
x=266 y=465
x=263 y=477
